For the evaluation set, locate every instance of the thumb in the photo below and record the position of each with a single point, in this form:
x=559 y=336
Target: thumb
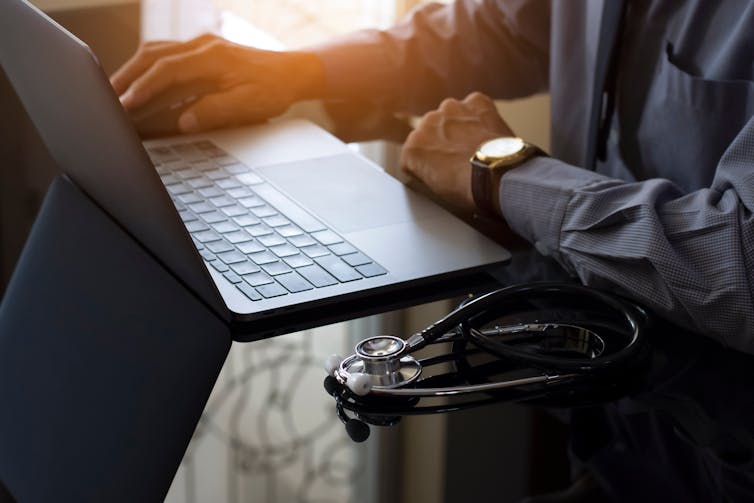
x=215 y=110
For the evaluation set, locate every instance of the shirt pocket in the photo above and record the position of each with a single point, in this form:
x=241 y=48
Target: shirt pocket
x=689 y=121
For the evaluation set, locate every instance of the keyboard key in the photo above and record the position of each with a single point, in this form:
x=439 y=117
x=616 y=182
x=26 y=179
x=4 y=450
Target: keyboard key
x=258 y=278
x=196 y=226
x=263 y=257
x=225 y=226
x=219 y=246
x=285 y=250
x=342 y=271
x=272 y=290
x=197 y=243
x=207 y=255
x=213 y=217
x=288 y=208
x=258 y=230
x=298 y=260
x=293 y=282
x=216 y=152
x=317 y=276
x=249 y=291
x=178 y=189
x=244 y=220
x=206 y=236
x=232 y=277
x=271 y=240
x=264 y=211
x=237 y=237
x=177 y=165
x=236 y=169
x=220 y=266
x=187 y=216
x=315 y=251
x=289 y=231
x=342 y=248
x=244 y=268
x=162 y=154
x=198 y=183
x=222 y=201
x=169 y=179
x=276 y=221
x=178 y=205
x=240 y=192
x=208 y=192
x=233 y=211
x=202 y=165
x=228 y=183
x=225 y=160
x=250 y=247
x=232 y=257
x=355 y=259
x=216 y=174
x=249 y=179
x=202 y=207
x=188 y=174
x=370 y=270
x=274 y=268
x=204 y=145
x=302 y=240
x=189 y=198
x=251 y=202
x=327 y=237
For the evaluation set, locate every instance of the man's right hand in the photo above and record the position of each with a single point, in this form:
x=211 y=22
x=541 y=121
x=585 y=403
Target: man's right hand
x=252 y=84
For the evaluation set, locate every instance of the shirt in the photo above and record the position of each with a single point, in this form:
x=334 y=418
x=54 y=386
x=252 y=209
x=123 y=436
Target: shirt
x=666 y=218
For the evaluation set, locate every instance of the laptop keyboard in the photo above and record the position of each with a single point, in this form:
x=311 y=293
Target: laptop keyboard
x=246 y=229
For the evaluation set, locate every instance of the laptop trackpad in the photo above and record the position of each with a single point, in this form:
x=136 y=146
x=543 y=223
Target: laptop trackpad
x=347 y=192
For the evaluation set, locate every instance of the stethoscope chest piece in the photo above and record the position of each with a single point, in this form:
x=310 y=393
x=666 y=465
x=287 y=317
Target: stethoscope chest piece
x=377 y=364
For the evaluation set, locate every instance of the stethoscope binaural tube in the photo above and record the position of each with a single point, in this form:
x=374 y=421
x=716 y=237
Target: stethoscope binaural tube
x=629 y=314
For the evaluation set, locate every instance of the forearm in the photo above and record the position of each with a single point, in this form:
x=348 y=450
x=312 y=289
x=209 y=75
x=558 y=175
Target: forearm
x=686 y=256
x=442 y=51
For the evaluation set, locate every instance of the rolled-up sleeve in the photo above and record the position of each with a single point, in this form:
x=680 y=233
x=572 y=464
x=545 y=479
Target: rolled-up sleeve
x=500 y=48
x=688 y=256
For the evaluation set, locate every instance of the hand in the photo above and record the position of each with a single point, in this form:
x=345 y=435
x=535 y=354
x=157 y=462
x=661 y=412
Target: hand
x=437 y=152
x=253 y=84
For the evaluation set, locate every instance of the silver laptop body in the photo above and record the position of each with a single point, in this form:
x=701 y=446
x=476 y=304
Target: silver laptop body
x=341 y=238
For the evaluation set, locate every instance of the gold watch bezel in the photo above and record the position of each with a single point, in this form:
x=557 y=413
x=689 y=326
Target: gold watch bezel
x=494 y=161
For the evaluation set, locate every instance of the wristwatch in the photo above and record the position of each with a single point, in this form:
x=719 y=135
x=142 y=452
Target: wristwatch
x=492 y=159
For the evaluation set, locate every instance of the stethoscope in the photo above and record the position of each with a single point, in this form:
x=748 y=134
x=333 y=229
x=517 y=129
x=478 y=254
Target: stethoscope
x=560 y=335
x=559 y=350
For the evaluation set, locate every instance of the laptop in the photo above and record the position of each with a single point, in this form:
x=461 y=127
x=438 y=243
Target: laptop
x=275 y=227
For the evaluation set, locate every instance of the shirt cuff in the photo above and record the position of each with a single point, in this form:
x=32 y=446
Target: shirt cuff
x=534 y=198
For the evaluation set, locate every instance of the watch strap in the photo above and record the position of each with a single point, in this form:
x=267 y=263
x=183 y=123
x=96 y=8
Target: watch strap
x=485 y=180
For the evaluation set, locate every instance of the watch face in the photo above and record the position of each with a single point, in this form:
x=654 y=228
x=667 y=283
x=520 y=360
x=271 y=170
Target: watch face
x=500 y=148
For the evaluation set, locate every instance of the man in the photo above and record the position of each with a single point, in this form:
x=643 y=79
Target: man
x=649 y=189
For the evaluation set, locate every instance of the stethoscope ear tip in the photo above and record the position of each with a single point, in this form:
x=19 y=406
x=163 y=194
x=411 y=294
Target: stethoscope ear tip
x=360 y=384
x=332 y=363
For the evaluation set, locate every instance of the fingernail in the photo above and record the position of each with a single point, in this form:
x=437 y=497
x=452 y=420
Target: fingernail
x=187 y=123
x=126 y=98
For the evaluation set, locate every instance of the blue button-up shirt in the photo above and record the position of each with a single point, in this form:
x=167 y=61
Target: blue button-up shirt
x=666 y=218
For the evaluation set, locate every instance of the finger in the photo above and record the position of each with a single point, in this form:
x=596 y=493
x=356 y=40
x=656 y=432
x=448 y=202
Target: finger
x=451 y=106
x=219 y=109
x=484 y=107
x=168 y=71
x=147 y=55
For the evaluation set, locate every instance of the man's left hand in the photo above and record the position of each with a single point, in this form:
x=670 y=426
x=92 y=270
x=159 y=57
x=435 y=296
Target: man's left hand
x=437 y=152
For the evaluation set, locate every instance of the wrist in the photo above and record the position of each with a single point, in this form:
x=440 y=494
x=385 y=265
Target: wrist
x=307 y=72
x=491 y=161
